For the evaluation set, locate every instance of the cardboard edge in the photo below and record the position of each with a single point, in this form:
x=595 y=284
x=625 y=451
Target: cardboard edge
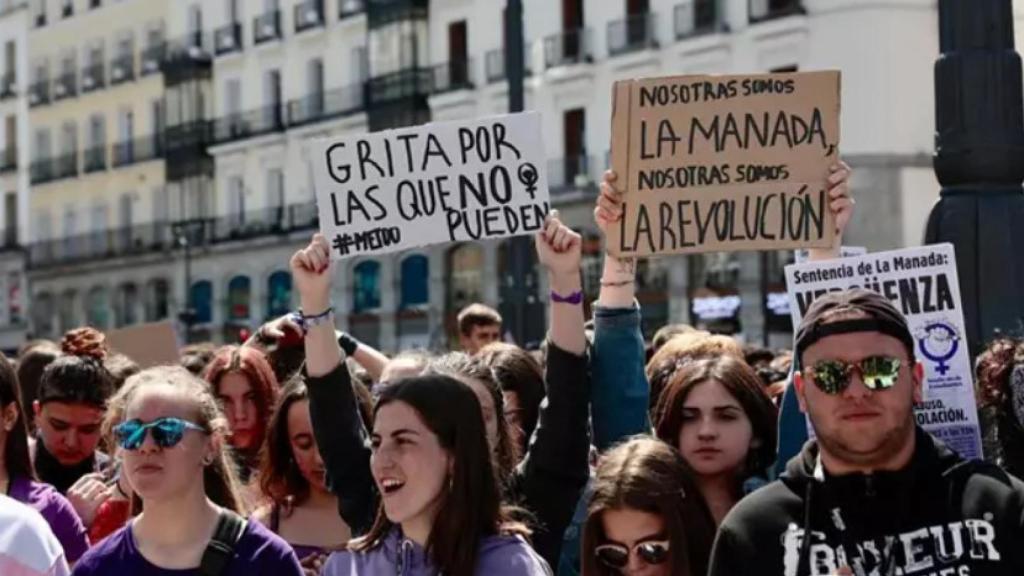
x=622 y=92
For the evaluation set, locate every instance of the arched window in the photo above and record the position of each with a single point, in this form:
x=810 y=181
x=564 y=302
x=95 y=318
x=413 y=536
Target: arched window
x=127 y=302
x=279 y=294
x=415 y=281
x=202 y=301
x=239 y=299
x=67 y=311
x=42 y=314
x=97 y=308
x=366 y=286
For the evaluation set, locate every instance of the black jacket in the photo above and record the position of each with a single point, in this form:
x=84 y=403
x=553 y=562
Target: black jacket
x=941 y=516
x=547 y=482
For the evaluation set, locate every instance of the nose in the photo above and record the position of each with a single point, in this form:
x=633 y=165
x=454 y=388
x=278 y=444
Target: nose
x=71 y=440
x=856 y=390
x=317 y=459
x=237 y=410
x=635 y=565
x=148 y=444
x=707 y=429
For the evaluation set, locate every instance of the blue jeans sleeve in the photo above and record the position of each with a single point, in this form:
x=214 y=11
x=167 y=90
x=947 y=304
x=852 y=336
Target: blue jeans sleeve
x=620 y=393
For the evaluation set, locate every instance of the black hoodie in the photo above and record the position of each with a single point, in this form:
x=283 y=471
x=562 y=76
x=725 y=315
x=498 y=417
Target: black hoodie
x=939 y=516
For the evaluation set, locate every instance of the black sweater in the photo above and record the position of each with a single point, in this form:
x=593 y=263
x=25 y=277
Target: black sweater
x=547 y=482
x=941 y=515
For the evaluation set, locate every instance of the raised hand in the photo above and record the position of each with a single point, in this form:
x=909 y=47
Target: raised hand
x=559 y=248
x=840 y=201
x=87 y=494
x=311 y=273
x=608 y=211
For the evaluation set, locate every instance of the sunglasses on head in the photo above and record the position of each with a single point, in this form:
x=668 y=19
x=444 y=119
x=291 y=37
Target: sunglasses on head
x=877 y=373
x=166 y=432
x=617 y=555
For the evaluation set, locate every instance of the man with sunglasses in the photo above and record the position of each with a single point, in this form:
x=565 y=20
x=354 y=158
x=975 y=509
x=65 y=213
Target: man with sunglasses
x=876 y=494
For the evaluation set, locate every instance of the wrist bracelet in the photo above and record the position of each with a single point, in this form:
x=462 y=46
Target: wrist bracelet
x=616 y=283
x=308 y=321
x=574 y=298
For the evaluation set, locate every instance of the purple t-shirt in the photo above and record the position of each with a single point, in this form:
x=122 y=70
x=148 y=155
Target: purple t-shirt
x=57 y=512
x=259 y=552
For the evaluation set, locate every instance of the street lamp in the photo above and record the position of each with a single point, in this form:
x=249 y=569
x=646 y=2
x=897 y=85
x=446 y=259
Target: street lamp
x=183 y=230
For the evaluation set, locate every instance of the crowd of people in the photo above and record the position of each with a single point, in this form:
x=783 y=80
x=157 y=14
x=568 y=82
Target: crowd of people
x=304 y=451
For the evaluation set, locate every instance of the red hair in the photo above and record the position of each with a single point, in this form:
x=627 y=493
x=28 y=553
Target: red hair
x=250 y=363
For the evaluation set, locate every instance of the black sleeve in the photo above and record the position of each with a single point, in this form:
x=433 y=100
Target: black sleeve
x=341 y=439
x=557 y=466
x=724 y=561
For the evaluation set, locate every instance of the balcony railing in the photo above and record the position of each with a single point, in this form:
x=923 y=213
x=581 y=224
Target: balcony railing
x=8 y=160
x=350 y=8
x=228 y=39
x=406 y=83
x=383 y=12
x=152 y=56
x=248 y=124
x=95 y=159
x=309 y=14
x=193 y=46
x=331 y=104
x=494 y=65
x=568 y=47
x=64 y=86
x=695 y=17
x=266 y=27
x=574 y=173
x=40 y=20
x=122 y=69
x=762 y=10
x=453 y=75
x=93 y=77
x=140 y=149
x=155 y=237
x=39 y=93
x=8 y=84
x=66 y=165
x=632 y=34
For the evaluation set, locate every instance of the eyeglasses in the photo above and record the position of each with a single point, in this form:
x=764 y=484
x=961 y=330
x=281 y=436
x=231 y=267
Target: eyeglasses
x=167 y=432
x=617 y=555
x=877 y=372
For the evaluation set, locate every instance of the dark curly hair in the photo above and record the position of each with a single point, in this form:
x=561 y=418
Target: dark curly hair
x=79 y=376
x=993 y=369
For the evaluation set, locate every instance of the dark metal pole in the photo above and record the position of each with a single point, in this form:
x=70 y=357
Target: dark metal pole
x=520 y=292
x=979 y=161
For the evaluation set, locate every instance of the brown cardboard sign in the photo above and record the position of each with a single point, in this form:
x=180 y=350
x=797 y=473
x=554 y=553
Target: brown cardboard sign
x=147 y=344
x=724 y=163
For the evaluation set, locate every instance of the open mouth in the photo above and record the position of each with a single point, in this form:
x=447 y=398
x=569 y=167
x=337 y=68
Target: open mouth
x=390 y=486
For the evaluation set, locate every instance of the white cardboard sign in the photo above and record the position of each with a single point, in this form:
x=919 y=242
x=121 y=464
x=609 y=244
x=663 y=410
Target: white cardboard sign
x=432 y=184
x=922 y=283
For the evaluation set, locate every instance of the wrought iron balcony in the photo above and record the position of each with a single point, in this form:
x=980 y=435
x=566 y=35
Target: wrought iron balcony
x=326 y=105
x=67 y=165
x=383 y=12
x=152 y=56
x=695 y=17
x=95 y=159
x=568 y=47
x=140 y=149
x=42 y=171
x=763 y=10
x=93 y=77
x=309 y=14
x=350 y=8
x=39 y=93
x=632 y=34
x=122 y=69
x=248 y=124
x=228 y=39
x=494 y=65
x=8 y=84
x=411 y=82
x=65 y=86
x=8 y=160
x=266 y=27
x=574 y=173
x=453 y=75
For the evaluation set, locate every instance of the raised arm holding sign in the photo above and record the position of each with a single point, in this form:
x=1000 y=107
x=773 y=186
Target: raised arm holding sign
x=713 y=163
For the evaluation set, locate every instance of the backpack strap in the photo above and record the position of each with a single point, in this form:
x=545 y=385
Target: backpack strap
x=221 y=549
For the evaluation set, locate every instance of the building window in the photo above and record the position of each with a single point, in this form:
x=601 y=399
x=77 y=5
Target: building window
x=42 y=314
x=366 y=286
x=415 y=281
x=97 y=308
x=158 y=300
x=202 y=301
x=126 y=305
x=236 y=202
x=279 y=294
x=67 y=311
x=464 y=270
x=239 y=299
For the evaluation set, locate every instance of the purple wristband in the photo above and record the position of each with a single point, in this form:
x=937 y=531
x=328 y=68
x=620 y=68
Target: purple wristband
x=574 y=298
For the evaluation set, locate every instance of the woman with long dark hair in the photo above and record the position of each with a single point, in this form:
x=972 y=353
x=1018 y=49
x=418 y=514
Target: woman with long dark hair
x=441 y=510
x=18 y=478
x=173 y=438
x=298 y=507
x=645 y=516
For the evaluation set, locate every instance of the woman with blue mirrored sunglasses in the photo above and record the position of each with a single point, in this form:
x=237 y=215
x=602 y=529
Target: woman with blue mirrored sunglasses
x=166 y=432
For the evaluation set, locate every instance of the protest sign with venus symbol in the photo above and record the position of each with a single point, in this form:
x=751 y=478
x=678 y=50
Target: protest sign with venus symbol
x=723 y=163
x=432 y=184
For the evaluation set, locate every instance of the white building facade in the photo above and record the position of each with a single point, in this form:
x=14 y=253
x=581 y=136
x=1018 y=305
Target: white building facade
x=259 y=77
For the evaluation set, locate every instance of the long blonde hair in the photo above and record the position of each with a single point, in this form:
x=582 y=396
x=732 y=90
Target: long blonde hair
x=220 y=479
